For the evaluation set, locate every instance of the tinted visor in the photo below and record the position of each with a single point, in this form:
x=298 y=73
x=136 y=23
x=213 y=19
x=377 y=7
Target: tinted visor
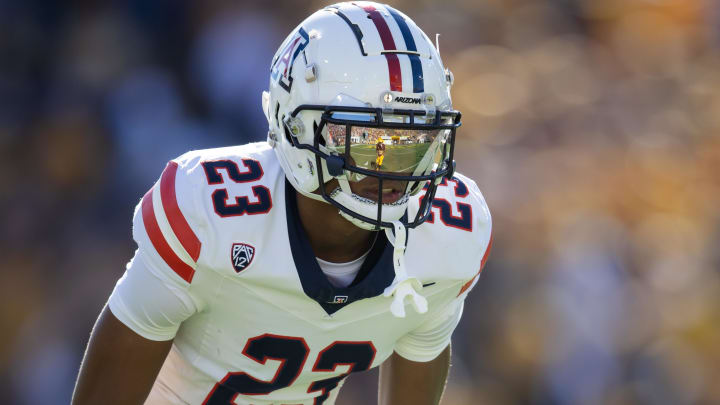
x=412 y=152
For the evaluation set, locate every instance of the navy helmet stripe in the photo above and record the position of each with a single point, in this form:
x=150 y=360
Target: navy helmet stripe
x=415 y=64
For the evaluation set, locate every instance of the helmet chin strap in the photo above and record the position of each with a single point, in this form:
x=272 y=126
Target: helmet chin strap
x=368 y=208
x=358 y=222
x=403 y=286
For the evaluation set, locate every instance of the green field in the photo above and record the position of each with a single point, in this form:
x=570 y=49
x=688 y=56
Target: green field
x=398 y=158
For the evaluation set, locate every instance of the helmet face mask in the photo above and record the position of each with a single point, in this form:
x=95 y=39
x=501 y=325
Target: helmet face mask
x=423 y=147
x=332 y=122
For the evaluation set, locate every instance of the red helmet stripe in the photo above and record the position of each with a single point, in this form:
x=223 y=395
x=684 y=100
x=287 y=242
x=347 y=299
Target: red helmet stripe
x=389 y=45
x=177 y=220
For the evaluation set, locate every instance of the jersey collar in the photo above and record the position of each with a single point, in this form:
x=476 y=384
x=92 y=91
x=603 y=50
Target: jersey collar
x=375 y=274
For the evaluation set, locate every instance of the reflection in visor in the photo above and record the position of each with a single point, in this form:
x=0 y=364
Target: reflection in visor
x=401 y=151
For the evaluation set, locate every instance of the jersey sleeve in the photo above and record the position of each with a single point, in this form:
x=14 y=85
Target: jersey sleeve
x=474 y=242
x=156 y=293
x=432 y=337
x=149 y=305
x=428 y=340
x=482 y=238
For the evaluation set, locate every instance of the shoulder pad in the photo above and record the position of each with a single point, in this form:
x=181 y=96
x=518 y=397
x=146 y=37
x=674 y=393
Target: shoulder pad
x=167 y=223
x=454 y=242
x=187 y=209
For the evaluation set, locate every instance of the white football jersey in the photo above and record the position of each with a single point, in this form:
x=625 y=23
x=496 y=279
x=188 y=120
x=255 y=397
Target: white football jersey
x=225 y=269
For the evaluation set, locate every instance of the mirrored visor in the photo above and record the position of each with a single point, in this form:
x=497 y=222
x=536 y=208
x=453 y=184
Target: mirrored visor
x=391 y=150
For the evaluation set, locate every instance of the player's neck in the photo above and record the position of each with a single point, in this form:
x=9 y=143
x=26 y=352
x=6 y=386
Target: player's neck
x=332 y=237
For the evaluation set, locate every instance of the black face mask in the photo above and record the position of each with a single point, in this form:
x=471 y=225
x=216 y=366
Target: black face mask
x=410 y=148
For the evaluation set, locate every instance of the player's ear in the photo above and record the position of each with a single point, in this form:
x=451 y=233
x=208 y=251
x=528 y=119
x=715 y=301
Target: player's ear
x=266 y=104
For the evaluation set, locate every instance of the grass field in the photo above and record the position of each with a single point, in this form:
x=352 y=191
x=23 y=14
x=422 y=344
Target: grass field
x=398 y=158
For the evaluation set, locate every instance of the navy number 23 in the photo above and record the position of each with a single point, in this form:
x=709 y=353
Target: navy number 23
x=463 y=221
x=242 y=205
x=292 y=352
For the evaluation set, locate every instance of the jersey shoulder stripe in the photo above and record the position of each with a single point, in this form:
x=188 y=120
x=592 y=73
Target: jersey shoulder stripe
x=158 y=240
x=177 y=220
x=167 y=228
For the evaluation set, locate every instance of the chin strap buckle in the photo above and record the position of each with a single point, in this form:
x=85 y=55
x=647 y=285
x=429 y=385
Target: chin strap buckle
x=403 y=286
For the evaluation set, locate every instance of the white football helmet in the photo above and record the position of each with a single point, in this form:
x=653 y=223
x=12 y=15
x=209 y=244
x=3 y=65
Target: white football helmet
x=359 y=94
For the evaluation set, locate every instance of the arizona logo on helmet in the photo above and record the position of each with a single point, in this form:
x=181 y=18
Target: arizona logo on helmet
x=282 y=64
x=242 y=255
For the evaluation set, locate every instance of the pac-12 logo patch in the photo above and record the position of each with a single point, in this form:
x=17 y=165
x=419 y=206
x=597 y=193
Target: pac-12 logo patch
x=241 y=255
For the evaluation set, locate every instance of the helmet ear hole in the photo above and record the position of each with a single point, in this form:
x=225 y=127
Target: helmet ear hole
x=277 y=109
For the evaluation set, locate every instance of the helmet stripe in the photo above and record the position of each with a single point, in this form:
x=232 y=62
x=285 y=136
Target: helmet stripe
x=389 y=45
x=417 y=72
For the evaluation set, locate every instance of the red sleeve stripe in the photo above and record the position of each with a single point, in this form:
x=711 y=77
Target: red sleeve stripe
x=177 y=221
x=487 y=253
x=158 y=240
x=482 y=264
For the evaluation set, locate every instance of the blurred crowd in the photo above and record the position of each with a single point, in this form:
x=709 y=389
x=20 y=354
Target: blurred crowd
x=370 y=135
x=591 y=126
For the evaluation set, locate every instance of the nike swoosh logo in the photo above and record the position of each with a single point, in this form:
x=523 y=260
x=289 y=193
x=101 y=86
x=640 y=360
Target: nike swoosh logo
x=428 y=284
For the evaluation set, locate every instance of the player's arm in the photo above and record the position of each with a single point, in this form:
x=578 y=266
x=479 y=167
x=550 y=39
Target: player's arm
x=403 y=381
x=417 y=370
x=132 y=336
x=134 y=332
x=120 y=366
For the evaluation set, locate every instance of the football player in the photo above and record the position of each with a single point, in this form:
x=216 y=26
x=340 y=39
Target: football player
x=266 y=273
x=380 y=150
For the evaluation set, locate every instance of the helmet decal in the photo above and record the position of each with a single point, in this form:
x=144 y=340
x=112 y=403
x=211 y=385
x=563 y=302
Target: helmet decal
x=281 y=70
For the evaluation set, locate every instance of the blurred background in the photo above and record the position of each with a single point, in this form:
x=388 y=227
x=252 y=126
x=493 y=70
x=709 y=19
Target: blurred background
x=592 y=127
